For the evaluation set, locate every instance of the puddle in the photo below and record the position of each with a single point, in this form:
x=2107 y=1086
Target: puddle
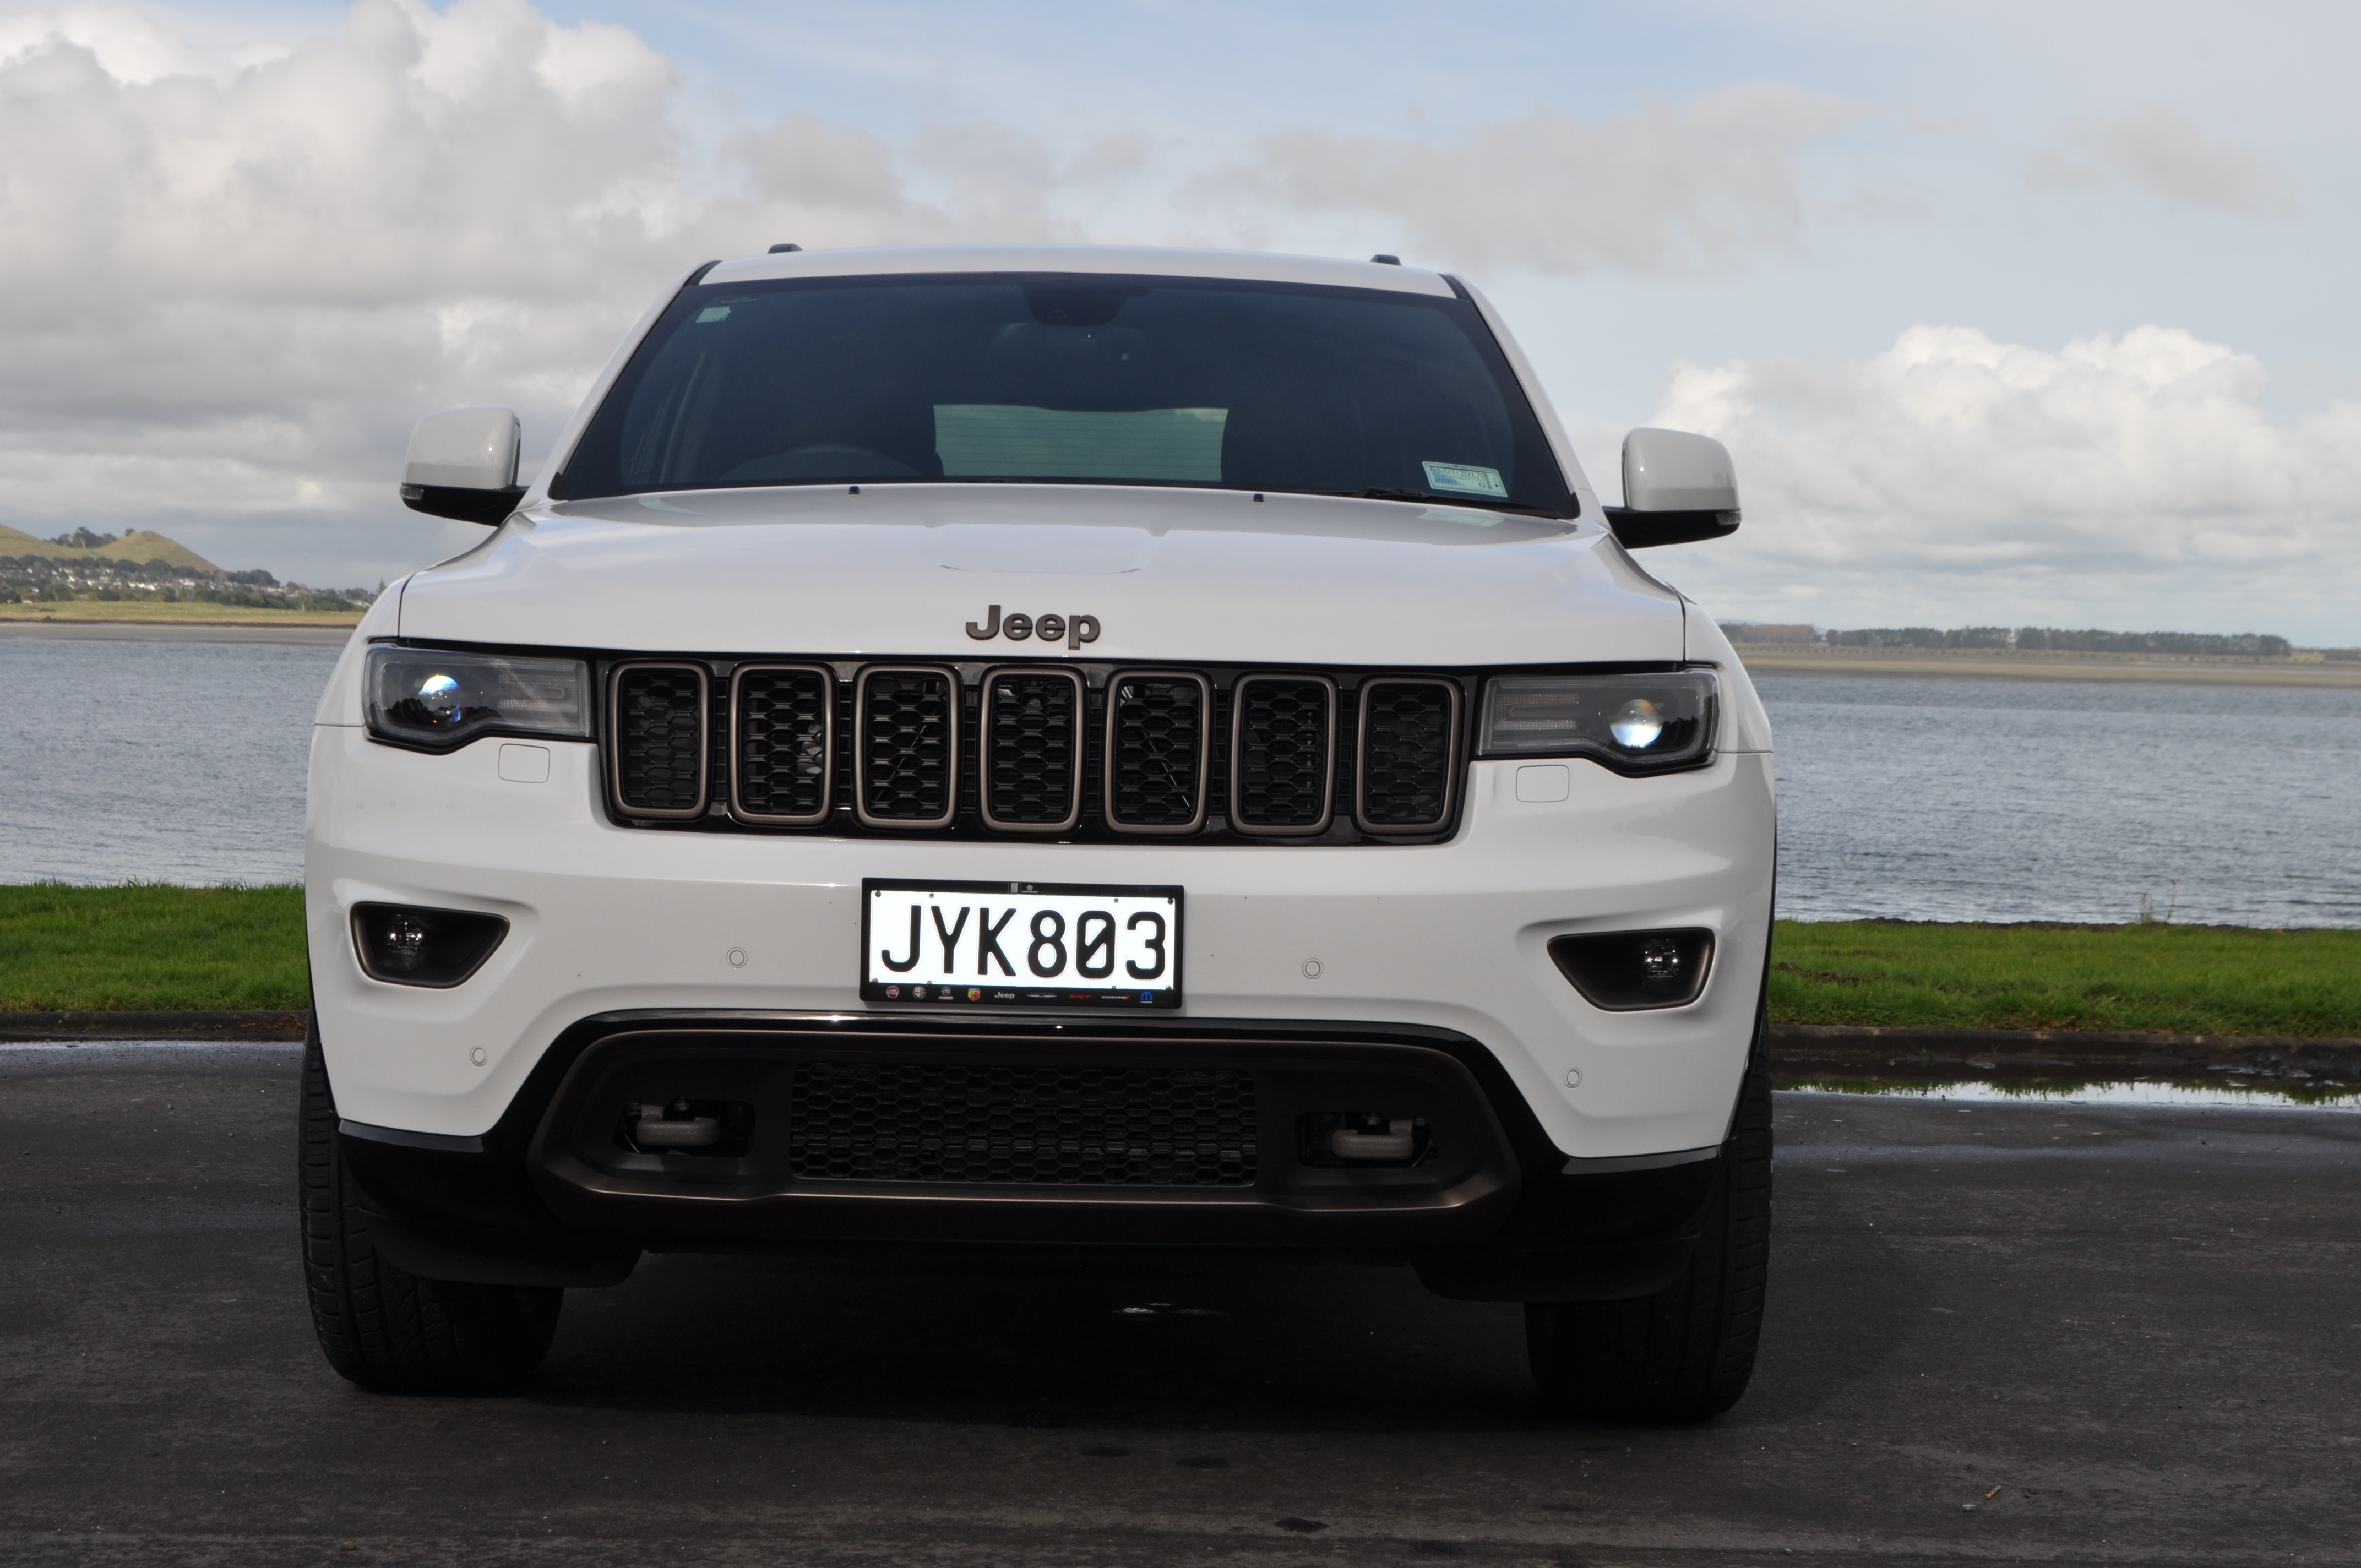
x=2239 y=1096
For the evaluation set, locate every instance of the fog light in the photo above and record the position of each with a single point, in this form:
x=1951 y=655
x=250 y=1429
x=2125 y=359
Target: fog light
x=436 y=948
x=401 y=943
x=1637 y=724
x=1625 y=971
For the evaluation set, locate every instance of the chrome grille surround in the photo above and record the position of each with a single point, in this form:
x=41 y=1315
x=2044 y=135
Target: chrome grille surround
x=1406 y=738
x=1029 y=746
x=764 y=700
x=659 y=714
x=1145 y=733
x=906 y=756
x=1282 y=755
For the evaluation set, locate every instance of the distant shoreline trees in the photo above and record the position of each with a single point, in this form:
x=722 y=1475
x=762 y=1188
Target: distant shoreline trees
x=2029 y=640
x=44 y=579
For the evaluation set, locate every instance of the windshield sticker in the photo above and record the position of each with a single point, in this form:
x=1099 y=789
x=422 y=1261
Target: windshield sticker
x=1464 y=479
x=713 y=313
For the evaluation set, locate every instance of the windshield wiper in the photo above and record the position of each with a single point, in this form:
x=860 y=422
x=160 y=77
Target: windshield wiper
x=1427 y=498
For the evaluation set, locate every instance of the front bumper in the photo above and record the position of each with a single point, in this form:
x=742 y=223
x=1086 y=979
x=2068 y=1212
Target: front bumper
x=553 y=1195
x=1449 y=938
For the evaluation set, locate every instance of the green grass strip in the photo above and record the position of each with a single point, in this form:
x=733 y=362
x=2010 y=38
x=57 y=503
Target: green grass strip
x=2193 y=980
x=150 y=946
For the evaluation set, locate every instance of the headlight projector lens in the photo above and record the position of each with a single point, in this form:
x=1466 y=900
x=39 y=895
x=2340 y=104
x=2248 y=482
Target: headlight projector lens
x=1637 y=724
x=438 y=694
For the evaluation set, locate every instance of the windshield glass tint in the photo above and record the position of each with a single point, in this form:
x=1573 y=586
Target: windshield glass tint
x=1067 y=378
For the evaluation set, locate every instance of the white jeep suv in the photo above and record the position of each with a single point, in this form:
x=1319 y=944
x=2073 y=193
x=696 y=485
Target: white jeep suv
x=1062 y=748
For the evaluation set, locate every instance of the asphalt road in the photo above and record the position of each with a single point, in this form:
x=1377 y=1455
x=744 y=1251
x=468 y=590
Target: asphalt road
x=2038 y=1332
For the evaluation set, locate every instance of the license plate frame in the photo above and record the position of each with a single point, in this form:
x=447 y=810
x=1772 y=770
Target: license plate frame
x=1131 y=938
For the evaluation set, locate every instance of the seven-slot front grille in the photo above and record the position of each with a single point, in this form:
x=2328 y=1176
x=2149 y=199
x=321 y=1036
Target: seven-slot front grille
x=1069 y=750
x=977 y=1122
x=658 y=718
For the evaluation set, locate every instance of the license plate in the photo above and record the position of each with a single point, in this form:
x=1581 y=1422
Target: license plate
x=1019 y=944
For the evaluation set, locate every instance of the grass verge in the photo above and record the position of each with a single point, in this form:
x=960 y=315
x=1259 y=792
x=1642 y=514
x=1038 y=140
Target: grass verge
x=2194 y=979
x=151 y=946
x=75 y=613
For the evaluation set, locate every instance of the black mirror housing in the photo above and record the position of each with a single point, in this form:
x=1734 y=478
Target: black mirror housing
x=490 y=508
x=1641 y=530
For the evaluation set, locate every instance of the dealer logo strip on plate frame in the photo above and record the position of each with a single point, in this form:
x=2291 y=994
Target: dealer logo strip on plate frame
x=1010 y=944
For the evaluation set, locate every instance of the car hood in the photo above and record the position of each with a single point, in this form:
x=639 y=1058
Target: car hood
x=1203 y=576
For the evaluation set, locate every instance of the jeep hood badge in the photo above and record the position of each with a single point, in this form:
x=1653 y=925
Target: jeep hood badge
x=1076 y=629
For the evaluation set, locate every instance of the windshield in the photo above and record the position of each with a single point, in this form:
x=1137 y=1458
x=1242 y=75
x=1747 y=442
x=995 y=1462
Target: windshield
x=1070 y=378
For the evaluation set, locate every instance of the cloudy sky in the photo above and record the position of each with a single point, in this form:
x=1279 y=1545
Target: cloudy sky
x=2009 y=311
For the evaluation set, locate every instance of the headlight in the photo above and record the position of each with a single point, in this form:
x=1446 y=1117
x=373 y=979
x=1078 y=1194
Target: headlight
x=418 y=697
x=1631 y=723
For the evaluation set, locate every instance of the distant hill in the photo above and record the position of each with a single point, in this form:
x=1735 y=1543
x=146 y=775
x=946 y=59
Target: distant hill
x=143 y=545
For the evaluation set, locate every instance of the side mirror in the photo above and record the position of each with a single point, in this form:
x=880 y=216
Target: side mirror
x=463 y=464
x=1676 y=488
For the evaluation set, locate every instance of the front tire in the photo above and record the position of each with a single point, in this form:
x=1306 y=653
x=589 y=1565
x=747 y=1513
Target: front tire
x=384 y=1329
x=1686 y=1352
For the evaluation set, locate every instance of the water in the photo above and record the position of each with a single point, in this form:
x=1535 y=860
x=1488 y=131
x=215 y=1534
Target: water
x=2024 y=800
x=155 y=762
x=2208 y=1096
x=1938 y=799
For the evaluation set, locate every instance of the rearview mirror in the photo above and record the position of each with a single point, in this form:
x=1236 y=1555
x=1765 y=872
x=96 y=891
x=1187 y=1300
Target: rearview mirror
x=463 y=464
x=1676 y=488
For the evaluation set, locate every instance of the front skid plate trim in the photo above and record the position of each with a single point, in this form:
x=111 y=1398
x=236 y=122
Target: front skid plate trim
x=1318 y=1209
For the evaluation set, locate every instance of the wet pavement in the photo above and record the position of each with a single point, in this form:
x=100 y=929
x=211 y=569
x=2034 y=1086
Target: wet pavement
x=2044 y=1331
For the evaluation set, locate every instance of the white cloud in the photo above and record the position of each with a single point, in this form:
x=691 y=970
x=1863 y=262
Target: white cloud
x=227 y=287
x=2164 y=153
x=1667 y=189
x=230 y=281
x=127 y=46
x=1955 y=475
